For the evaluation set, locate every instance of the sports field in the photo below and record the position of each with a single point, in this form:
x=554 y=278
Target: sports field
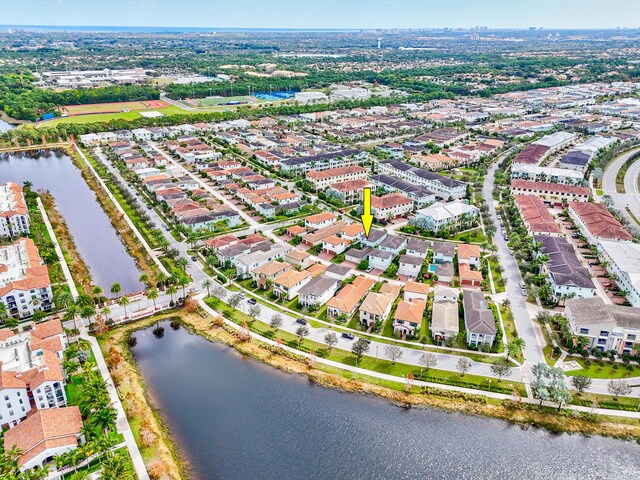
x=115 y=107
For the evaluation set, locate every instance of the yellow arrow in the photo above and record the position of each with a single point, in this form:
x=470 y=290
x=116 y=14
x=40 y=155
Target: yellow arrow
x=367 y=218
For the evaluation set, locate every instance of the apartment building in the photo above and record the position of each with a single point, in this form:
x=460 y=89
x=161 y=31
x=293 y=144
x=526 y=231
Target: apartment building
x=325 y=178
x=25 y=286
x=14 y=216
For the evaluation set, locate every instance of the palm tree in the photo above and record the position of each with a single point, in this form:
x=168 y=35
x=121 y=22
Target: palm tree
x=84 y=300
x=116 y=289
x=172 y=290
x=116 y=467
x=123 y=302
x=70 y=313
x=105 y=312
x=152 y=295
x=97 y=293
x=207 y=284
x=144 y=278
x=63 y=299
x=162 y=279
x=87 y=312
x=183 y=282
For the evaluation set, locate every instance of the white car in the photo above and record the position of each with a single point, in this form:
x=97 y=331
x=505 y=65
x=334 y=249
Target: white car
x=524 y=292
x=522 y=285
x=510 y=252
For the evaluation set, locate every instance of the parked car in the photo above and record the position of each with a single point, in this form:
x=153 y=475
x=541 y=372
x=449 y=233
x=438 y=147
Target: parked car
x=348 y=336
x=522 y=285
x=301 y=321
x=510 y=252
x=524 y=292
x=252 y=301
x=369 y=269
x=194 y=258
x=149 y=207
x=242 y=295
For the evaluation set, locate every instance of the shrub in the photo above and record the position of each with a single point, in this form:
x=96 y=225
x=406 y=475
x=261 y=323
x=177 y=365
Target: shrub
x=587 y=363
x=601 y=363
x=615 y=366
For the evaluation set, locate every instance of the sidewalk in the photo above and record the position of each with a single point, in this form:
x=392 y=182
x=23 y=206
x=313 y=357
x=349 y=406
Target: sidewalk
x=56 y=245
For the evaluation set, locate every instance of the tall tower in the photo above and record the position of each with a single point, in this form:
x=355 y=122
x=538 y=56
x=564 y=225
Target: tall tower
x=379 y=41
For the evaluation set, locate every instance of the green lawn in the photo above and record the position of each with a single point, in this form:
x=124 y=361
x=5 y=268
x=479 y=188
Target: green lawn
x=471 y=236
x=596 y=371
x=493 y=264
x=73 y=390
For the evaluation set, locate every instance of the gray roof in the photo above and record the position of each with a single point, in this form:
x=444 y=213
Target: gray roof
x=444 y=269
x=395 y=183
x=411 y=260
x=393 y=242
x=576 y=157
x=338 y=269
x=590 y=311
x=377 y=253
x=359 y=254
x=444 y=248
x=478 y=317
x=563 y=265
x=418 y=245
x=375 y=234
x=318 y=285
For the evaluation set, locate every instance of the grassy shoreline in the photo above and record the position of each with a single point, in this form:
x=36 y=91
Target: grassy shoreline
x=132 y=390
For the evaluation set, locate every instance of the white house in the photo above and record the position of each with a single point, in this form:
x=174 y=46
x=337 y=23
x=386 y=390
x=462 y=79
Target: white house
x=410 y=266
x=449 y=215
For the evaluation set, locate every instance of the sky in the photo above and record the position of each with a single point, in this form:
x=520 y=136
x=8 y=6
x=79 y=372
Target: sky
x=339 y=14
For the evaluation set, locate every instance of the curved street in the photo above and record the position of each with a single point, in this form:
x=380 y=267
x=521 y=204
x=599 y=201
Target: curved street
x=631 y=197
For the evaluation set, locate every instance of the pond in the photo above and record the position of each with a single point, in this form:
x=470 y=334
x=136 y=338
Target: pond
x=96 y=240
x=235 y=418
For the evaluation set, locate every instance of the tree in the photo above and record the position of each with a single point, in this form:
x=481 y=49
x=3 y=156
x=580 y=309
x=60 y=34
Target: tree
x=152 y=295
x=331 y=339
x=219 y=292
x=234 y=300
x=276 y=321
x=393 y=352
x=359 y=348
x=302 y=332
x=463 y=365
x=254 y=311
x=144 y=279
x=207 y=284
x=580 y=383
x=501 y=368
x=515 y=346
x=428 y=361
x=116 y=289
x=123 y=302
x=618 y=387
x=172 y=290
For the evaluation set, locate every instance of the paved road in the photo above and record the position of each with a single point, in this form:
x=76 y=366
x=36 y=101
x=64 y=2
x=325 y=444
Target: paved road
x=631 y=197
x=527 y=330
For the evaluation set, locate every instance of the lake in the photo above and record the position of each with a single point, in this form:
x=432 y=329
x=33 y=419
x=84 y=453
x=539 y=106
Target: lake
x=5 y=126
x=96 y=240
x=236 y=418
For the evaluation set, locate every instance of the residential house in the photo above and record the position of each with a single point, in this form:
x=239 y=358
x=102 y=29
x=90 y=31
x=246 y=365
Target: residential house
x=623 y=263
x=376 y=306
x=380 y=259
x=337 y=271
x=417 y=247
x=408 y=317
x=478 y=319
x=443 y=252
x=349 y=297
x=410 y=266
x=445 y=272
x=393 y=243
x=469 y=276
x=320 y=220
x=596 y=223
x=376 y=236
x=444 y=319
x=14 y=216
x=317 y=291
x=415 y=291
x=289 y=283
x=335 y=245
x=269 y=271
x=469 y=254
x=298 y=258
